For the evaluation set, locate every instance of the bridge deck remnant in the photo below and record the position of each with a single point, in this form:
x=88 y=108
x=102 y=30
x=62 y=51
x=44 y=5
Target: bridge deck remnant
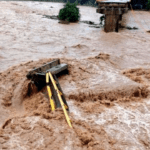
x=113 y=10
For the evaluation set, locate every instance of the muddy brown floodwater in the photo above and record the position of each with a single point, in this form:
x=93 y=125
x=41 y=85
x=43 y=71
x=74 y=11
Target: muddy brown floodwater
x=107 y=88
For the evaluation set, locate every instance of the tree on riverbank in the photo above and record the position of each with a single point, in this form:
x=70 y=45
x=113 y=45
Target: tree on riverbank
x=70 y=12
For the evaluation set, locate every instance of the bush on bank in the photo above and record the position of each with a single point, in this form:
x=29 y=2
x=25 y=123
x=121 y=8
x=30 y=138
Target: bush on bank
x=70 y=12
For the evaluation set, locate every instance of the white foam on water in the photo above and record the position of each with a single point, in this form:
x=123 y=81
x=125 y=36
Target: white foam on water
x=124 y=124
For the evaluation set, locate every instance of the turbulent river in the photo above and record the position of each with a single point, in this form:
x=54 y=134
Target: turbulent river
x=107 y=88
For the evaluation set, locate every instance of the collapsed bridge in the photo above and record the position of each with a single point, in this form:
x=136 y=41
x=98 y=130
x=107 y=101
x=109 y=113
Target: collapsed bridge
x=113 y=10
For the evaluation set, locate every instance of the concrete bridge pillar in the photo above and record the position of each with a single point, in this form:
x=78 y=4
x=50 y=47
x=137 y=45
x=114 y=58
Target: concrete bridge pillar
x=113 y=13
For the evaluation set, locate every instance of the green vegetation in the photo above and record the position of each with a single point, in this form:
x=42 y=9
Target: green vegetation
x=101 y=19
x=148 y=5
x=70 y=12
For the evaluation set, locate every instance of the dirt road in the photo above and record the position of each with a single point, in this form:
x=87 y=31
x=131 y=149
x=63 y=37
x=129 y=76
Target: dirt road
x=107 y=89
